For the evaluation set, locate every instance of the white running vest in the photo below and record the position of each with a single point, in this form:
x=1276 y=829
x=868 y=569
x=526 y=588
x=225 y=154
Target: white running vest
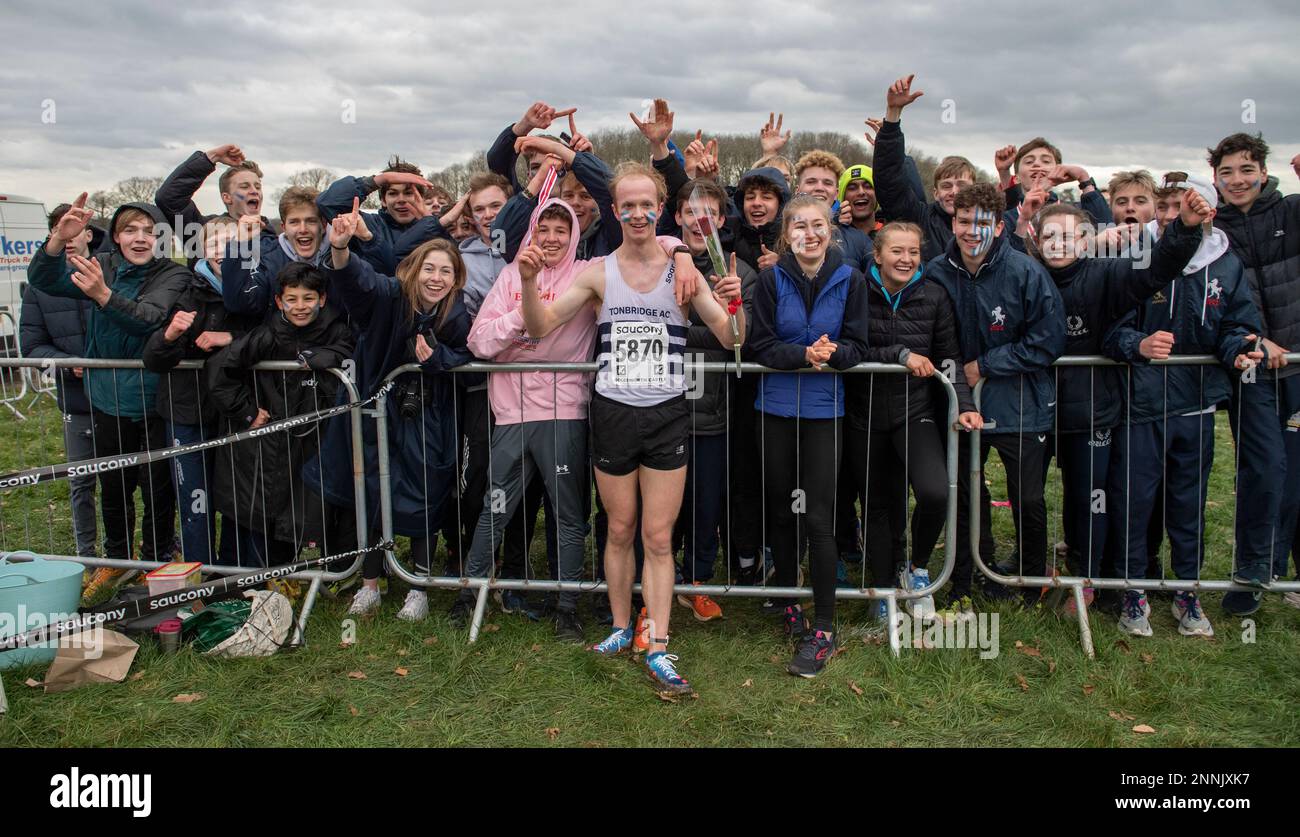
x=642 y=341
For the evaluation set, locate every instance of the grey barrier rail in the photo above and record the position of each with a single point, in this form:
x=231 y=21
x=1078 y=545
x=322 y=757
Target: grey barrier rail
x=1074 y=584
x=483 y=586
x=9 y=399
x=314 y=578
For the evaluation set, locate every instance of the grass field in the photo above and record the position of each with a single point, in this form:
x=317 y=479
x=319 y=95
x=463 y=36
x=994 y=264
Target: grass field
x=519 y=687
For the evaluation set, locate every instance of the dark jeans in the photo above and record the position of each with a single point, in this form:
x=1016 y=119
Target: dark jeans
x=116 y=435
x=1084 y=461
x=194 y=475
x=887 y=462
x=1022 y=456
x=702 y=506
x=1261 y=473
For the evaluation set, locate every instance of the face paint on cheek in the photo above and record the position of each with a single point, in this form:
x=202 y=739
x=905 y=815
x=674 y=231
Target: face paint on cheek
x=652 y=216
x=984 y=231
x=625 y=217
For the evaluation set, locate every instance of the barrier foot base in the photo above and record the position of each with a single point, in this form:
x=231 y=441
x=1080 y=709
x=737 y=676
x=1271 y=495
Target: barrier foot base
x=1085 y=630
x=308 y=602
x=480 y=608
x=895 y=626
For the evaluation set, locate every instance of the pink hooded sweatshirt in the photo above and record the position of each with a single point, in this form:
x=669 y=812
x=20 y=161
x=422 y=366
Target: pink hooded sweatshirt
x=499 y=334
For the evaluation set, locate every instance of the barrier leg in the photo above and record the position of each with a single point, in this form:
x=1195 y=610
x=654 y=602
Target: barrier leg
x=308 y=602
x=480 y=608
x=4 y=702
x=895 y=625
x=1085 y=630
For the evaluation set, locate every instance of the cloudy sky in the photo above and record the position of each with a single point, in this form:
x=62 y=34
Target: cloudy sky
x=93 y=93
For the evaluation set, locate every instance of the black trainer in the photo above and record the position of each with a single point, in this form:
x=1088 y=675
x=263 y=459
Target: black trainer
x=568 y=626
x=813 y=653
x=796 y=626
x=462 y=611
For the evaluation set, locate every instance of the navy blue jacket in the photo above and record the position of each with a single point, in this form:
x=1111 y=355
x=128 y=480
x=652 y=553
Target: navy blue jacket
x=1010 y=319
x=390 y=241
x=1209 y=312
x=789 y=314
x=594 y=176
x=1096 y=294
x=253 y=292
x=55 y=326
x=749 y=240
x=422 y=454
x=175 y=200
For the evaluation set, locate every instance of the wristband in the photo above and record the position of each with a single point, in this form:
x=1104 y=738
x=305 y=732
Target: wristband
x=528 y=196
x=1086 y=183
x=681 y=249
x=340 y=249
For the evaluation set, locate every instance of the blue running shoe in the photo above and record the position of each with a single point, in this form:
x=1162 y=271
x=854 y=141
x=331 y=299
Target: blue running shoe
x=664 y=674
x=616 y=643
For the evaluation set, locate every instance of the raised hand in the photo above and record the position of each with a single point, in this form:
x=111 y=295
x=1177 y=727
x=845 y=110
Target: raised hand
x=344 y=226
x=1196 y=209
x=1157 y=346
x=873 y=124
x=659 y=127
x=846 y=214
x=181 y=322
x=1034 y=200
x=392 y=178
x=766 y=258
x=900 y=94
x=88 y=276
x=727 y=288
x=530 y=261
x=1067 y=174
x=229 y=155
x=770 y=135
x=1003 y=159
x=539 y=116
x=74 y=221
x=1295 y=164
x=577 y=141
x=694 y=154
x=249 y=227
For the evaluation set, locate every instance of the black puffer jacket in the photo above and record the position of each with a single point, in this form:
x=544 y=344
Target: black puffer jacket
x=182 y=395
x=750 y=241
x=1096 y=294
x=259 y=482
x=55 y=326
x=1267 y=240
x=709 y=410
x=920 y=320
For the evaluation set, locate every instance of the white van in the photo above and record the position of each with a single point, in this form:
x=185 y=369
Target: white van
x=23 y=229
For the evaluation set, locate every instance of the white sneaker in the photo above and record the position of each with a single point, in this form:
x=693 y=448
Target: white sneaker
x=366 y=600
x=1134 y=614
x=1192 y=620
x=416 y=606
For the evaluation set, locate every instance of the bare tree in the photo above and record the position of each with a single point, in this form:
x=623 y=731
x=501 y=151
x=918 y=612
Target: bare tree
x=314 y=178
x=137 y=189
x=102 y=203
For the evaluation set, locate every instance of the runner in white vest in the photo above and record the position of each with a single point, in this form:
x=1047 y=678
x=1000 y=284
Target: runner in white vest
x=638 y=415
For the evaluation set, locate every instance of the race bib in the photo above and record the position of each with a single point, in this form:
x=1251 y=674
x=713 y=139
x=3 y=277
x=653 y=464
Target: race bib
x=640 y=354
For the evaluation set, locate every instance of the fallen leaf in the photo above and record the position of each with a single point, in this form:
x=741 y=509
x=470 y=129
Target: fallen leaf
x=430 y=640
x=1123 y=646
x=1019 y=644
x=1029 y=650
x=747 y=684
x=1051 y=666
x=401 y=672
x=402 y=652
x=552 y=732
x=356 y=675
x=137 y=675
x=774 y=658
x=36 y=684
x=1024 y=684
x=491 y=627
x=1120 y=716
x=189 y=697
x=857 y=690
x=537 y=646
x=1148 y=659
x=1143 y=729
x=1088 y=688
x=347 y=643
x=354 y=711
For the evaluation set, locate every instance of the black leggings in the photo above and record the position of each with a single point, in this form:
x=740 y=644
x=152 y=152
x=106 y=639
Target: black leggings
x=886 y=462
x=802 y=455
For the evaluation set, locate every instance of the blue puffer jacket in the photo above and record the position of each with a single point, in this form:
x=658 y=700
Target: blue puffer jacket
x=1011 y=320
x=1209 y=312
x=55 y=326
x=790 y=313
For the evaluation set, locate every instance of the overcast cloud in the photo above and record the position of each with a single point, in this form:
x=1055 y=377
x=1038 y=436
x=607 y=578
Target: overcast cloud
x=137 y=86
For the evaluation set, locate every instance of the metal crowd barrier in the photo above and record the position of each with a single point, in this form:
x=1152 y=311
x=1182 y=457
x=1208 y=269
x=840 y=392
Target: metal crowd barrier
x=9 y=398
x=483 y=586
x=1076 y=584
x=315 y=578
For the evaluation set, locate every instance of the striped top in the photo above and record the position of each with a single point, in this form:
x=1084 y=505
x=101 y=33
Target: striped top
x=642 y=341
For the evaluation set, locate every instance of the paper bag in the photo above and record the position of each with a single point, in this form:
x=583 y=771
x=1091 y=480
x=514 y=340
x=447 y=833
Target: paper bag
x=90 y=657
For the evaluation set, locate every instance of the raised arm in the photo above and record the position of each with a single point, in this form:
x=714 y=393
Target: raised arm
x=541 y=320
